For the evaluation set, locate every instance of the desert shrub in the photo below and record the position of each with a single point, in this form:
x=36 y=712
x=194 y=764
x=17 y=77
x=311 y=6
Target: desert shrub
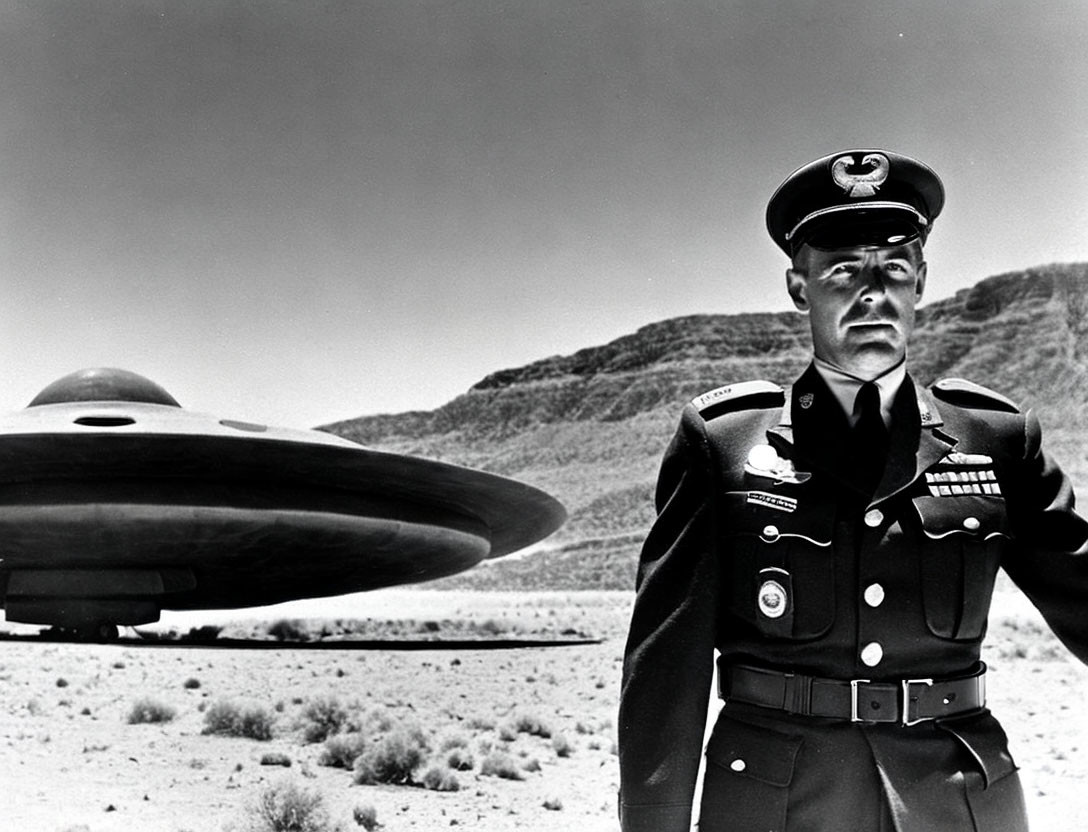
x=532 y=764
x=287 y=807
x=341 y=751
x=62 y=683
x=206 y=632
x=441 y=779
x=366 y=816
x=377 y=720
x=533 y=725
x=453 y=741
x=508 y=732
x=288 y=629
x=192 y=684
x=392 y=759
x=322 y=717
x=492 y=627
x=501 y=764
x=553 y=804
x=561 y=746
x=229 y=719
x=276 y=758
x=460 y=759
x=149 y=711
x=481 y=723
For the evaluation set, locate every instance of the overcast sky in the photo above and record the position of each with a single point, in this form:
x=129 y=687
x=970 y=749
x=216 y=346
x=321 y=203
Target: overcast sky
x=298 y=212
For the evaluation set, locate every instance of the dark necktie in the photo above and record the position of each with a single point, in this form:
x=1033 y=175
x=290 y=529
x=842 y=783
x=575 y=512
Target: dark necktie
x=869 y=438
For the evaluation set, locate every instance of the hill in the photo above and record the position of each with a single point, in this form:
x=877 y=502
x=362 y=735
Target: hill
x=590 y=427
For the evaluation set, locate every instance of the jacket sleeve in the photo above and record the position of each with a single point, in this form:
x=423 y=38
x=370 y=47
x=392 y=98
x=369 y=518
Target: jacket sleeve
x=669 y=659
x=1050 y=560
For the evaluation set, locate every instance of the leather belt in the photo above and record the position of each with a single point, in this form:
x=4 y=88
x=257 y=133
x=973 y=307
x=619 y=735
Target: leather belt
x=905 y=701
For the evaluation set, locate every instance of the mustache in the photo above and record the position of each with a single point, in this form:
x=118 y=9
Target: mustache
x=883 y=314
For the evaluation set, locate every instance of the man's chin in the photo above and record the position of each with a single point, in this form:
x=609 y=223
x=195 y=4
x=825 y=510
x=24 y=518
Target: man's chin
x=869 y=357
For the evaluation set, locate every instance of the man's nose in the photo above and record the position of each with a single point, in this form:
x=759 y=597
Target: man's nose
x=872 y=278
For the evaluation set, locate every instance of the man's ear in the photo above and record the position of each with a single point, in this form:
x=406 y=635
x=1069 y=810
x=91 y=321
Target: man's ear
x=797 y=286
x=920 y=285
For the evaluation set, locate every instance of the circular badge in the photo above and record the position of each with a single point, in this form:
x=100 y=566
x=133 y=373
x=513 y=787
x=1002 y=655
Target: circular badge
x=772 y=599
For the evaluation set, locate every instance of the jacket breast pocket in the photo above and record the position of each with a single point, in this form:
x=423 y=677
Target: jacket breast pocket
x=780 y=573
x=748 y=773
x=963 y=539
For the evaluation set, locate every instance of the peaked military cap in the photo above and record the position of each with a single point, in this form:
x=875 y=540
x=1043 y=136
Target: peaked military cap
x=855 y=198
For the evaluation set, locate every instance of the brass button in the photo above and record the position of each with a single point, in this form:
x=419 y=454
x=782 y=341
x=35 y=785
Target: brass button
x=972 y=524
x=872 y=653
x=738 y=765
x=874 y=518
x=874 y=595
x=770 y=533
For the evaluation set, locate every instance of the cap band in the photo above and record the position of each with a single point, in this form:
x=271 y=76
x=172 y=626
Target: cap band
x=860 y=206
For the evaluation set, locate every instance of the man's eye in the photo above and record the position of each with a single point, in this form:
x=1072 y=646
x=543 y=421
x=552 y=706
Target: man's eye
x=842 y=270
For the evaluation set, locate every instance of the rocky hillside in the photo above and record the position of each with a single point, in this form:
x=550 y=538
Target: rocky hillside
x=590 y=427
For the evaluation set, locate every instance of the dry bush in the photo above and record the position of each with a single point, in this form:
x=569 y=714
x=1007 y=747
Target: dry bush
x=322 y=717
x=562 y=746
x=289 y=629
x=501 y=764
x=287 y=807
x=460 y=759
x=366 y=816
x=231 y=720
x=276 y=758
x=393 y=758
x=148 y=710
x=533 y=725
x=441 y=779
x=453 y=741
x=342 y=750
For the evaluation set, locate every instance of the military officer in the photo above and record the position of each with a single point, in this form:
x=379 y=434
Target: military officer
x=836 y=542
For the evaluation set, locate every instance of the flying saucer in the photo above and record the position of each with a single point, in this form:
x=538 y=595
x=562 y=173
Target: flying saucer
x=117 y=503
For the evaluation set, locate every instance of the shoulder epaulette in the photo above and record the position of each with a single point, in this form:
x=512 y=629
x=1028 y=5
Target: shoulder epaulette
x=968 y=394
x=746 y=395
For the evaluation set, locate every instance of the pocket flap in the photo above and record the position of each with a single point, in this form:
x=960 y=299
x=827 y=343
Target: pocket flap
x=753 y=751
x=979 y=516
x=984 y=739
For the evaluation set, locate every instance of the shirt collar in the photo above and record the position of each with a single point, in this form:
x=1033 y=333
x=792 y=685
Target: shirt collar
x=845 y=386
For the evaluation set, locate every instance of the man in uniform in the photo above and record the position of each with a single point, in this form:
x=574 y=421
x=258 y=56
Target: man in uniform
x=837 y=543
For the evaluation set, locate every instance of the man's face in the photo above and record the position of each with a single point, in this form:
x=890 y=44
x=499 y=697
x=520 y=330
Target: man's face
x=860 y=303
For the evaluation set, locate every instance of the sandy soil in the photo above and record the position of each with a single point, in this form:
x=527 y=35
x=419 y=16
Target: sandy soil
x=72 y=760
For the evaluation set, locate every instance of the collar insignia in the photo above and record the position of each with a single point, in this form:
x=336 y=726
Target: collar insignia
x=806 y=400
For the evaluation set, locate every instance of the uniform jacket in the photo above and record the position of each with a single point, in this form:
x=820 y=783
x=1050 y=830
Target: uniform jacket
x=966 y=489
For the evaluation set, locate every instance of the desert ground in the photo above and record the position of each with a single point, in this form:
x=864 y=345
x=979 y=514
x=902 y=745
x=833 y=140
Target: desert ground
x=112 y=737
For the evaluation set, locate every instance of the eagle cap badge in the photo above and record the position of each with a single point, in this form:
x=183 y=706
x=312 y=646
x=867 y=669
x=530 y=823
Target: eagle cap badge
x=866 y=183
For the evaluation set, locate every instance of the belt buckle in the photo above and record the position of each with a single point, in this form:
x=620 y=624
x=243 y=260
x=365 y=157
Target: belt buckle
x=907 y=721
x=854 y=698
